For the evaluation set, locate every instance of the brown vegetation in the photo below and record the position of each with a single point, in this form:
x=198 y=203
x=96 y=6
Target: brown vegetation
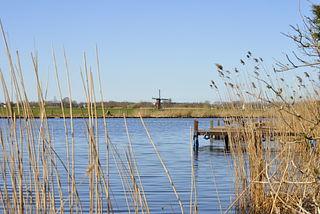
x=33 y=189
x=279 y=176
x=283 y=175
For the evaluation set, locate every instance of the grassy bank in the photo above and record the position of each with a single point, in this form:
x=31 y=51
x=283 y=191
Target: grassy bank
x=146 y=113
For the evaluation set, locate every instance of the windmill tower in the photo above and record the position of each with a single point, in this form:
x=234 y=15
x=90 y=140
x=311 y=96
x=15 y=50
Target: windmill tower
x=158 y=101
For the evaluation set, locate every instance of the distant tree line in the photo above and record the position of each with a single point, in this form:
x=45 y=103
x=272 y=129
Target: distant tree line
x=143 y=104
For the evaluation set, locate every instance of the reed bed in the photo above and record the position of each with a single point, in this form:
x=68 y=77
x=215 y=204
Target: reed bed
x=34 y=174
x=277 y=172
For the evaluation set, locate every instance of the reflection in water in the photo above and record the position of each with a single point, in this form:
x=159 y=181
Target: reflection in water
x=216 y=154
x=215 y=148
x=195 y=155
x=207 y=153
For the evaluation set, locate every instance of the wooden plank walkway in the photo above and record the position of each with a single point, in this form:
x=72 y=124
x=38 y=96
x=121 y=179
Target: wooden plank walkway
x=258 y=129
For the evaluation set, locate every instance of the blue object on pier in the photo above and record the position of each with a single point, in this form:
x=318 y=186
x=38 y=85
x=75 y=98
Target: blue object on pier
x=313 y=142
x=206 y=136
x=196 y=141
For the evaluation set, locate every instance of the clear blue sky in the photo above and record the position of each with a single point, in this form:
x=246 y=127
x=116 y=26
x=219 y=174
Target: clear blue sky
x=144 y=46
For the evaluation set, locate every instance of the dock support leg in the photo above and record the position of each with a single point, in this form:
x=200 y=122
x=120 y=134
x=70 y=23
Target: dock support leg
x=226 y=142
x=196 y=142
x=195 y=135
x=211 y=127
x=218 y=136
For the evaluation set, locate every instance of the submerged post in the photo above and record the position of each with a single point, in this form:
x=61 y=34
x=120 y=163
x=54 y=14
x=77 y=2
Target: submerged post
x=195 y=134
x=226 y=142
x=217 y=136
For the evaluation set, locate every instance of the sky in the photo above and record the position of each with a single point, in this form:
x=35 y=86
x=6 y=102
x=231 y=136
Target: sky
x=143 y=46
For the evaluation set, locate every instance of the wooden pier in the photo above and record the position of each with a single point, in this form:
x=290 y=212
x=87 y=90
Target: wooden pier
x=238 y=130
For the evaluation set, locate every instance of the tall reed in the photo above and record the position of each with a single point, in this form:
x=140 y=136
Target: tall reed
x=277 y=172
x=37 y=181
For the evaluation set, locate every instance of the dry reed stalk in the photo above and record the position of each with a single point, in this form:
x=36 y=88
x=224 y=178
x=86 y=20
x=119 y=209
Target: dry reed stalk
x=52 y=162
x=42 y=115
x=100 y=168
x=133 y=188
x=120 y=174
x=171 y=207
x=192 y=171
x=94 y=151
x=194 y=184
x=5 y=197
x=127 y=183
x=136 y=166
x=72 y=133
x=90 y=132
x=11 y=115
x=65 y=125
x=15 y=200
x=105 y=124
x=165 y=168
x=99 y=201
x=96 y=144
x=88 y=171
x=215 y=183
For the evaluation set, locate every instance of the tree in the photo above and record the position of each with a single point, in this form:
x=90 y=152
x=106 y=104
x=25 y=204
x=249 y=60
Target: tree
x=307 y=39
x=66 y=102
x=74 y=104
x=316 y=20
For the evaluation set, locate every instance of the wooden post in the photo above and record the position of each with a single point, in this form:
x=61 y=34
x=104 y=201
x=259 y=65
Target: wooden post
x=211 y=127
x=226 y=143
x=195 y=125
x=217 y=136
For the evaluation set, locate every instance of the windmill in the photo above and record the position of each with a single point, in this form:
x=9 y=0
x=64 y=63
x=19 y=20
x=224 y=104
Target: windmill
x=158 y=101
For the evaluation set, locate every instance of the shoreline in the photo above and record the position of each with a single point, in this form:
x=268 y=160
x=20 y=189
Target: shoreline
x=135 y=113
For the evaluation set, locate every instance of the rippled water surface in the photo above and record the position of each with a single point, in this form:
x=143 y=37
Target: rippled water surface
x=173 y=141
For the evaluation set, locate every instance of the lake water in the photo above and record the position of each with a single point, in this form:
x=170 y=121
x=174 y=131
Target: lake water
x=172 y=139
